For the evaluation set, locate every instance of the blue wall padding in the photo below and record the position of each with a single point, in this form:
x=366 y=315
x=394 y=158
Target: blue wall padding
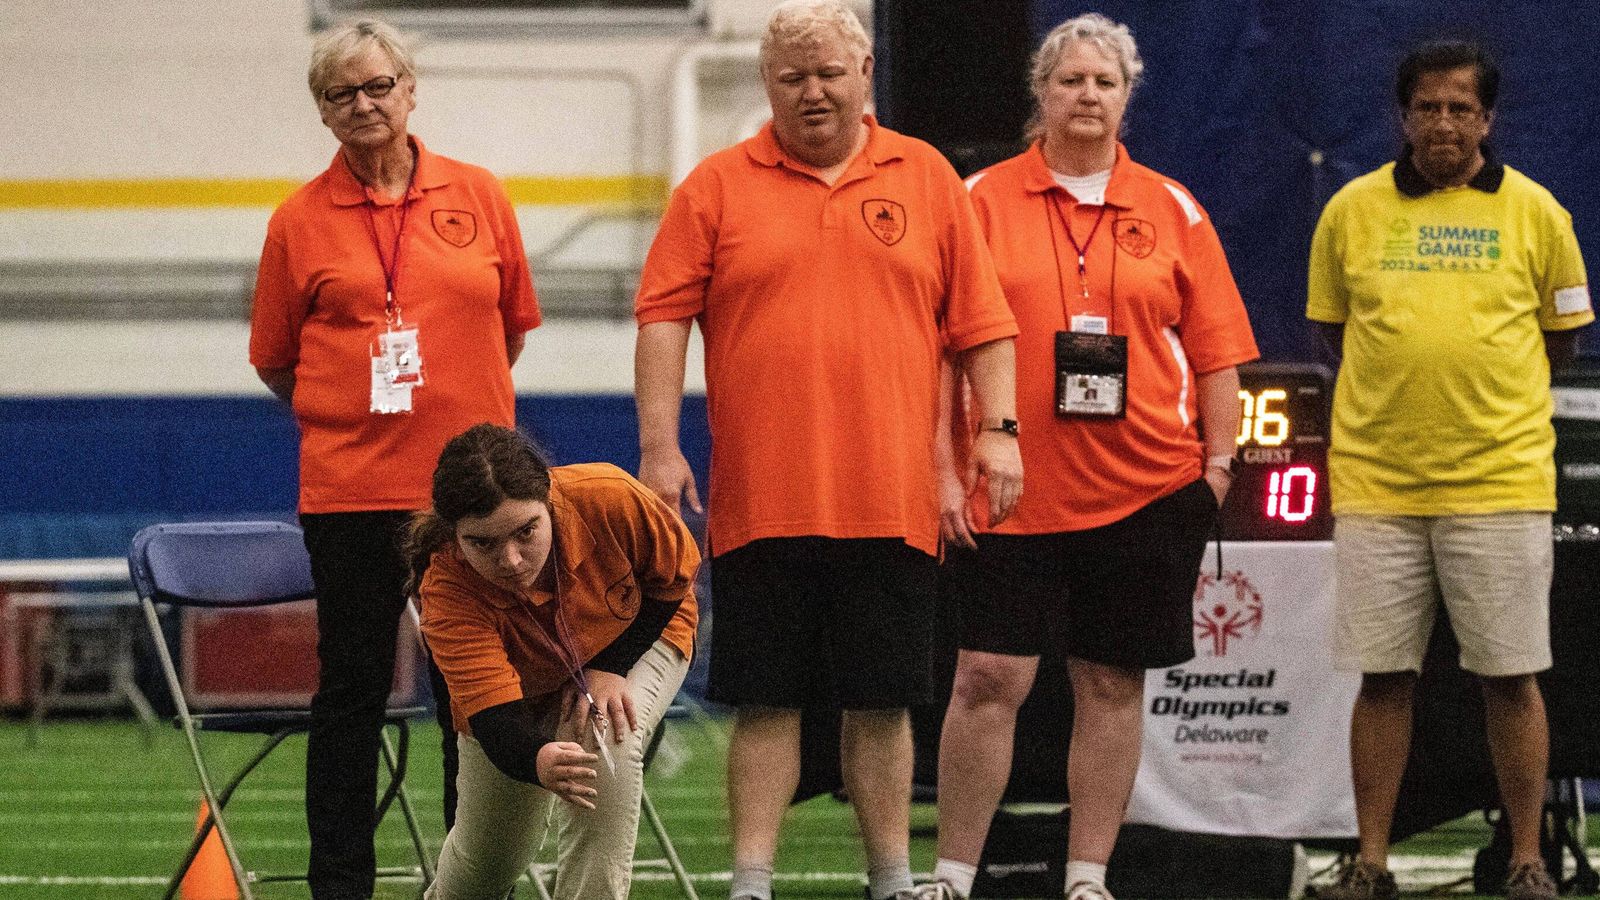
x=88 y=473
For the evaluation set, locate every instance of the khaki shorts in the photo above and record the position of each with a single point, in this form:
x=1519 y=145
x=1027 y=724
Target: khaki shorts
x=1492 y=571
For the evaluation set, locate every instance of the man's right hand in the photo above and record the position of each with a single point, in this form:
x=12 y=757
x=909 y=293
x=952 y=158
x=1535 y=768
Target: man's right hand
x=667 y=472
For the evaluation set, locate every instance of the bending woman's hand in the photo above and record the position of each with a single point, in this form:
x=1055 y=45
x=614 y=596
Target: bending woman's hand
x=565 y=769
x=613 y=705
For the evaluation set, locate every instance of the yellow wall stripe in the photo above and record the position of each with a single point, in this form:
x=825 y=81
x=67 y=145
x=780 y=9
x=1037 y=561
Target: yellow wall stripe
x=645 y=191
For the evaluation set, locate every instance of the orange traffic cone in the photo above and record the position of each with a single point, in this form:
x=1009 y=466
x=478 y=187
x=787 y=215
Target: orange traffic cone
x=210 y=877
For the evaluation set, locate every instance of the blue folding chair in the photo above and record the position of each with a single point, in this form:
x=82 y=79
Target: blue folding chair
x=231 y=565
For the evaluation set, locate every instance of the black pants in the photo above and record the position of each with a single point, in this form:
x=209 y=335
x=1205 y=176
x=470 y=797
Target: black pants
x=360 y=579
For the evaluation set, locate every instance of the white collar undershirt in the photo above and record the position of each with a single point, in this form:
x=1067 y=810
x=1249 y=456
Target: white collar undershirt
x=1089 y=190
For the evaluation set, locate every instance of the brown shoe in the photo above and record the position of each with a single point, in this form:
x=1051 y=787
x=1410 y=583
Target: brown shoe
x=1361 y=880
x=1530 y=881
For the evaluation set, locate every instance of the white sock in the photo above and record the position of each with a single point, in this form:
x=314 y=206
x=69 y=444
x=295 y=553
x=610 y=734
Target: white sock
x=886 y=878
x=752 y=881
x=1079 y=871
x=958 y=874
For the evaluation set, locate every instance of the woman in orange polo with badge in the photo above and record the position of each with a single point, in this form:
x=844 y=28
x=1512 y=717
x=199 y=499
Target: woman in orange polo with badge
x=391 y=301
x=558 y=603
x=1127 y=402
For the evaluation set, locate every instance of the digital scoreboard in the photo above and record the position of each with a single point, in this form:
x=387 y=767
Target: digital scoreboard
x=1281 y=490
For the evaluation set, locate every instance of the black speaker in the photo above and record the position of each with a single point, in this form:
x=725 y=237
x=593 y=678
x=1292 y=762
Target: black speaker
x=1026 y=856
x=1159 y=864
x=1577 y=424
x=1572 y=702
x=955 y=73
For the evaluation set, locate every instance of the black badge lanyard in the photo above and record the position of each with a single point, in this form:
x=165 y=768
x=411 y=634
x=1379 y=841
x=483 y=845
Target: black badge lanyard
x=1053 y=204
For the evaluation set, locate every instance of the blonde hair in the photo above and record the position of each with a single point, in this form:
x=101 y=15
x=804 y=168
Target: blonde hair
x=1111 y=38
x=346 y=41
x=803 y=21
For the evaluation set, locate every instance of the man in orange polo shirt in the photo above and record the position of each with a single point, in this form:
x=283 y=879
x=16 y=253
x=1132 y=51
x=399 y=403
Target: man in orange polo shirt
x=830 y=263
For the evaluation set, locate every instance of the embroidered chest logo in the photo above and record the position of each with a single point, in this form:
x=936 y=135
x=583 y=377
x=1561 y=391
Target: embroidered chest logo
x=622 y=598
x=886 y=219
x=456 y=226
x=1136 y=236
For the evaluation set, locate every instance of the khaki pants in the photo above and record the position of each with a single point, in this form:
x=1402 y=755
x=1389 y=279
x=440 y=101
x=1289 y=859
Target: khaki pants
x=502 y=822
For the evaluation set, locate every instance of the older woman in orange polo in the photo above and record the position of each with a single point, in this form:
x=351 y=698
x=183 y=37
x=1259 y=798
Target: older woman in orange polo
x=390 y=304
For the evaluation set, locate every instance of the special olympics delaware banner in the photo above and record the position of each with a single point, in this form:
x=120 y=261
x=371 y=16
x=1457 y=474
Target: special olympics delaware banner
x=1252 y=736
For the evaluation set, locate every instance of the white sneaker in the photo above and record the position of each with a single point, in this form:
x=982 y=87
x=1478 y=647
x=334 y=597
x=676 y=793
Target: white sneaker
x=936 y=890
x=1088 y=890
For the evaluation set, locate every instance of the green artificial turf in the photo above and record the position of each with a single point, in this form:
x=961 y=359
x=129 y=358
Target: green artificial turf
x=91 y=812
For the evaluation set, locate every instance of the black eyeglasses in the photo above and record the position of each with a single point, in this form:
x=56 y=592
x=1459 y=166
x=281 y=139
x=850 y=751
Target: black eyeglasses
x=378 y=87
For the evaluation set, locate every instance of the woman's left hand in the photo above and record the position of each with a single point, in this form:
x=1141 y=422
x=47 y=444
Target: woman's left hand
x=1220 y=480
x=613 y=705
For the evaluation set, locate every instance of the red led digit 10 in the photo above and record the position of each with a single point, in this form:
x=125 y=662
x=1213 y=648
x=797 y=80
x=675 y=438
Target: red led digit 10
x=1292 y=494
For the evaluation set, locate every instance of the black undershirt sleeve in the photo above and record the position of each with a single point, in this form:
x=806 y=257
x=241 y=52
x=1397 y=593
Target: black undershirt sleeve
x=509 y=732
x=510 y=737
x=621 y=654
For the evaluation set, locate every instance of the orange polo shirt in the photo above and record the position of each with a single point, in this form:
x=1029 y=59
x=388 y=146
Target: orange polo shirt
x=616 y=545
x=461 y=279
x=1157 y=273
x=824 y=310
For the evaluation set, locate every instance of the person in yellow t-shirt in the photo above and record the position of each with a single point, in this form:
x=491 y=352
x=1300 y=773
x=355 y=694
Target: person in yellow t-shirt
x=1451 y=284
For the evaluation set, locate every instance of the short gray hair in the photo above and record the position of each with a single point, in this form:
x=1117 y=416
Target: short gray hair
x=346 y=41
x=1111 y=38
x=801 y=21
x=1114 y=39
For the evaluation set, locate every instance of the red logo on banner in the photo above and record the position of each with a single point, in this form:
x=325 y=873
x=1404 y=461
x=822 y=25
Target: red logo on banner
x=1226 y=609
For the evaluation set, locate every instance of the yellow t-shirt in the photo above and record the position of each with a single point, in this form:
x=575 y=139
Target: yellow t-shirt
x=1443 y=400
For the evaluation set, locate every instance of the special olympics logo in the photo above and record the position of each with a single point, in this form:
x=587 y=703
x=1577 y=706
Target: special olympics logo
x=1226 y=609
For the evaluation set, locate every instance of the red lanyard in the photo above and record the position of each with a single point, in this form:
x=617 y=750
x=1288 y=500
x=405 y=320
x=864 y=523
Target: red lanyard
x=559 y=640
x=391 y=267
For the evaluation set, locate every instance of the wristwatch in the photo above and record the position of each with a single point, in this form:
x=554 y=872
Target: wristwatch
x=1227 y=462
x=1009 y=426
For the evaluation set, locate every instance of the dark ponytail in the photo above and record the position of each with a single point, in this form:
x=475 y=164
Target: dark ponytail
x=478 y=470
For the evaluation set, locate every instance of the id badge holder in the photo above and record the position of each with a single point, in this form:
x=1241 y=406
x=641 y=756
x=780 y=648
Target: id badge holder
x=601 y=745
x=398 y=347
x=1091 y=375
x=396 y=370
x=387 y=396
